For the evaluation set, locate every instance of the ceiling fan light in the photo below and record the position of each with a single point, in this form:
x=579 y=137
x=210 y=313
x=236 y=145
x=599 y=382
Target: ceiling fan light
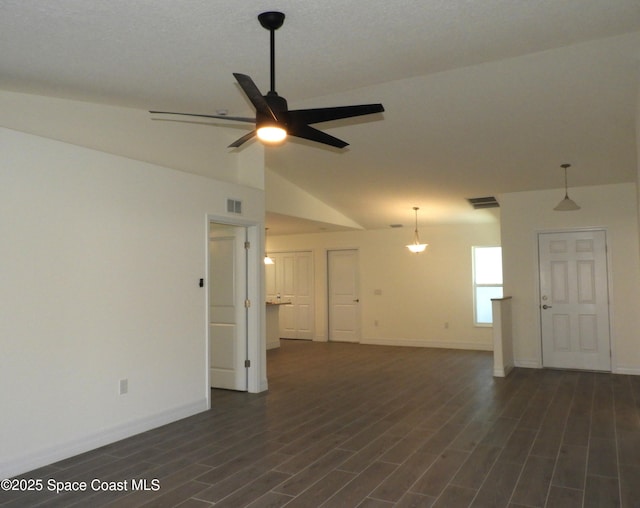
x=271 y=134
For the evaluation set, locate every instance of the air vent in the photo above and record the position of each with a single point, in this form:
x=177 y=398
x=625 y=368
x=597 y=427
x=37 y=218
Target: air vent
x=395 y=225
x=486 y=202
x=234 y=206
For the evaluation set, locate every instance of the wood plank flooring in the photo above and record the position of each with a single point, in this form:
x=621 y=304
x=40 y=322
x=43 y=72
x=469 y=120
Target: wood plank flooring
x=346 y=425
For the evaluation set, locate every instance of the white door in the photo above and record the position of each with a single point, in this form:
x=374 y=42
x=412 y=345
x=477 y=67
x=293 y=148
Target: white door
x=291 y=278
x=286 y=277
x=227 y=311
x=574 y=303
x=344 y=300
x=304 y=296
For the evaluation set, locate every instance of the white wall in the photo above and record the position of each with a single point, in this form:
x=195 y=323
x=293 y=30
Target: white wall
x=193 y=146
x=613 y=207
x=285 y=198
x=638 y=155
x=420 y=293
x=100 y=258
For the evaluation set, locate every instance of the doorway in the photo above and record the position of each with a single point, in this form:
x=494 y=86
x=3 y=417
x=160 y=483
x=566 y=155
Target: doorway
x=574 y=300
x=343 y=295
x=228 y=316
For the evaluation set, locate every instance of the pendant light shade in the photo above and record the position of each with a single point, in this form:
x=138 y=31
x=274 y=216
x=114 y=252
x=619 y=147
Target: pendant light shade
x=416 y=246
x=567 y=204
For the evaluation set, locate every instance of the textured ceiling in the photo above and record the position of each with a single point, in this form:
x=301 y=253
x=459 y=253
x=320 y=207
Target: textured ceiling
x=480 y=97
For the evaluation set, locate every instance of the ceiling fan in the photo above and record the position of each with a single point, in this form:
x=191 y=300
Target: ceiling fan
x=273 y=120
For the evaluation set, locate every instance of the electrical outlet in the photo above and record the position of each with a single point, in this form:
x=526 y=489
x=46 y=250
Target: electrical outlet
x=124 y=386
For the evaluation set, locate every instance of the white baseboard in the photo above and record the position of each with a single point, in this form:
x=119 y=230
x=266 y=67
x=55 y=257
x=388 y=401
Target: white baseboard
x=534 y=364
x=528 y=364
x=502 y=372
x=632 y=371
x=34 y=460
x=474 y=346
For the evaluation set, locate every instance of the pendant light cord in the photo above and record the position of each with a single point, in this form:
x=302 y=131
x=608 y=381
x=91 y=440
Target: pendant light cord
x=566 y=185
x=416 y=239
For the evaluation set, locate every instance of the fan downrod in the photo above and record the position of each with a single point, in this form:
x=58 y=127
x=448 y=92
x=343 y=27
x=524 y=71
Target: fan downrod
x=271 y=20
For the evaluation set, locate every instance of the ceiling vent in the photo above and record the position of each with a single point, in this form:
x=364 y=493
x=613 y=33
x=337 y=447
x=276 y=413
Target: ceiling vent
x=486 y=202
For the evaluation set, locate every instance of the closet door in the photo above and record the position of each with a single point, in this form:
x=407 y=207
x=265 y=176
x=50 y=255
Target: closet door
x=291 y=279
x=344 y=300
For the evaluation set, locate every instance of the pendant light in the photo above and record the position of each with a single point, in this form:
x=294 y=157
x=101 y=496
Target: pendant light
x=567 y=204
x=416 y=246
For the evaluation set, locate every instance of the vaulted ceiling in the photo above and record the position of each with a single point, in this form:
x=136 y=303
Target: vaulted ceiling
x=480 y=98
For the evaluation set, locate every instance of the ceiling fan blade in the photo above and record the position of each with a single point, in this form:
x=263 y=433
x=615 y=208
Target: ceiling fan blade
x=223 y=117
x=307 y=132
x=317 y=115
x=242 y=140
x=254 y=95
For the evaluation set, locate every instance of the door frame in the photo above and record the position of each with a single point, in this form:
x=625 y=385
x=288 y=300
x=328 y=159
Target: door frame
x=538 y=294
x=255 y=326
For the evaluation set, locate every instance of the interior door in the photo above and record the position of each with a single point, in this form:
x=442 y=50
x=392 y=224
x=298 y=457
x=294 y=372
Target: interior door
x=574 y=303
x=344 y=300
x=291 y=278
x=304 y=296
x=227 y=311
x=286 y=276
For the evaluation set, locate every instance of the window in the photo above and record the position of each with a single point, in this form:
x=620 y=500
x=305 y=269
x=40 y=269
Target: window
x=487 y=282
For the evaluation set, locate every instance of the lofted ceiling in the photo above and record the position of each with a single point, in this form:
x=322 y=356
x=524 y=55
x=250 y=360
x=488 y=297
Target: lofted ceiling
x=481 y=98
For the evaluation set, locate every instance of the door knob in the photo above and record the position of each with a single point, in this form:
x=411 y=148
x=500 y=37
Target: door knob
x=545 y=307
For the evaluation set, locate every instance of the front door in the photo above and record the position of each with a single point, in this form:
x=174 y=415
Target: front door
x=344 y=300
x=227 y=311
x=574 y=303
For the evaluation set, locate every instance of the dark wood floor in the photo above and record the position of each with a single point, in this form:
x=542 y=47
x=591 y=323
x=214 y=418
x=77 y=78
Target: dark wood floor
x=372 y=426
